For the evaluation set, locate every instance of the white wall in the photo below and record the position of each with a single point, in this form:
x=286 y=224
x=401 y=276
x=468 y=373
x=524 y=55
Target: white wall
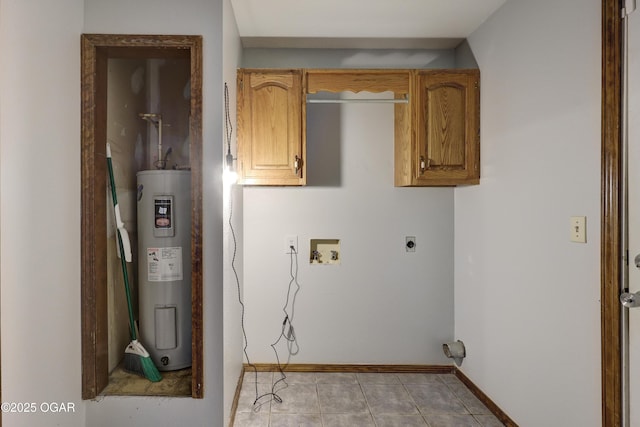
x=201 y=17
x=527 y=299
x=634 y=208
x=40 y=212
x=348 y=58
x=232 y=313
x=381 y=305
x=40 y=208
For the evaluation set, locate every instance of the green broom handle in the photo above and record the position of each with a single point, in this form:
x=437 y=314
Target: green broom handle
x=123 y=261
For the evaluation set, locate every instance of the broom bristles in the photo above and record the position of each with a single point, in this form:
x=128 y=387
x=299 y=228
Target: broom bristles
x=137 y=361
x=150 y=370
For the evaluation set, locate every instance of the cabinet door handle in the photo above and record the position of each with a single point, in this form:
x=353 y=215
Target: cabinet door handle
x=296 y=164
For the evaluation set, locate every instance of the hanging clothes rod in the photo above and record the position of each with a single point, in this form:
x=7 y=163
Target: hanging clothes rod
x=363 y=101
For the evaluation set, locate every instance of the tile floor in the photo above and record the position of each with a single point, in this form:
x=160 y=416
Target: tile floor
x=360 y=399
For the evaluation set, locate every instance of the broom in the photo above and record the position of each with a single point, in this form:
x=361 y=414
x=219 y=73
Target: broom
x=136 y=358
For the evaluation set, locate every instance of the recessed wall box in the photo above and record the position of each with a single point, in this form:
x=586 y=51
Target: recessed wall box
x=325 y=251
x=410 y=243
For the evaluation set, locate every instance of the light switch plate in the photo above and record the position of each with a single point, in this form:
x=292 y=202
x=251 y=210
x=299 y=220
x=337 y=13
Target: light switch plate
x=578 y=229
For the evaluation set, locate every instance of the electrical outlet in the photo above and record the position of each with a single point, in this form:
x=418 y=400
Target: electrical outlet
x=578 y=229
x=289 y=241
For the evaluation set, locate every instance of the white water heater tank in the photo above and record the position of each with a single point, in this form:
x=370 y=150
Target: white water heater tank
x=164 y=266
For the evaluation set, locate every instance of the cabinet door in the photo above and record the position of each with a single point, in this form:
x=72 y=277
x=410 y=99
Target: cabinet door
x=271 y=141
x=447 y=127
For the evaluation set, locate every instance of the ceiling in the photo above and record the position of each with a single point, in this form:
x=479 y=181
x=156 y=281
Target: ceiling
x=359 y=23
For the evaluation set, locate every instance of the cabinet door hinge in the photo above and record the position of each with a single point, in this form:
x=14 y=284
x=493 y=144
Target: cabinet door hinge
x=297 y=164
x=424 y=164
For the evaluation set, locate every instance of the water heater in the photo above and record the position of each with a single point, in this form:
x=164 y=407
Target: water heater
x=164 y=266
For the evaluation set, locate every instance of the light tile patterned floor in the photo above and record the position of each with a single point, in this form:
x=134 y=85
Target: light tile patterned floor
x=359 y=400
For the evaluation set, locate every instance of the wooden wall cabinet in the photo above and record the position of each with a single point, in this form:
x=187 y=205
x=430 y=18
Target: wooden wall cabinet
x=271 y=134
x=437 y=133
x=438 y=142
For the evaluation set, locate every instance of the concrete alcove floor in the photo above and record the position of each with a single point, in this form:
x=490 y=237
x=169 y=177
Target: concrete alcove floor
x=173 y=383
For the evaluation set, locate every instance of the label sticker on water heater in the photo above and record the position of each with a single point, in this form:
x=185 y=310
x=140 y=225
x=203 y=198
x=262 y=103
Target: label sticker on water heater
x=164 y=221
x=162 y=213
x=164 y=264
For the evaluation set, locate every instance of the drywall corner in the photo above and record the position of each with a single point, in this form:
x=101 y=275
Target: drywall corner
x=464 y=56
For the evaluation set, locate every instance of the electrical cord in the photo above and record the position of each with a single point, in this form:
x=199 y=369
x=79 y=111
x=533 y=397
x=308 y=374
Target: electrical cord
x=242 y=306
x=228 y=133
x=228 y=127
x=289 y=306
x=288 y=334
x=257 y=401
